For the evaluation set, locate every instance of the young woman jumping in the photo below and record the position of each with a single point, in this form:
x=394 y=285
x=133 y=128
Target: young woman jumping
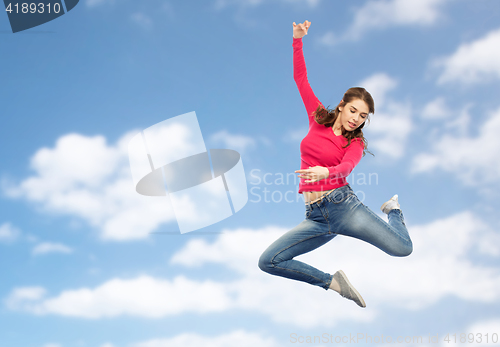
x=331 y=149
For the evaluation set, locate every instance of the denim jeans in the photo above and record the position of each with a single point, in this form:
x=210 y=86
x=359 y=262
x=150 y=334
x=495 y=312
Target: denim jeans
x=339 y=213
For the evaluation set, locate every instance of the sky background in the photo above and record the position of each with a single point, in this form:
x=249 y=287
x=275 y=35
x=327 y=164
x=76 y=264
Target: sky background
x=86 y=262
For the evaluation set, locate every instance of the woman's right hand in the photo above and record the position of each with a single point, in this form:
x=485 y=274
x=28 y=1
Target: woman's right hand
x=300 y=29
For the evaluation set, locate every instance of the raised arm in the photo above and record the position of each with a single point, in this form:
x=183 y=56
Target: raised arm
x=299 y=68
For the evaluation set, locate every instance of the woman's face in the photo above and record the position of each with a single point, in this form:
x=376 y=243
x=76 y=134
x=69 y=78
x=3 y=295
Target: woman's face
x=353 y=114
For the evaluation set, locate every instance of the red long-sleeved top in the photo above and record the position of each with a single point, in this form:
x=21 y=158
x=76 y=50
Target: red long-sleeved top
x=321 y=147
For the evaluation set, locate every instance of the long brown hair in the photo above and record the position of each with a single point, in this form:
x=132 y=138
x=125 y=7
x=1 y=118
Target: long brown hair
x=328 y=117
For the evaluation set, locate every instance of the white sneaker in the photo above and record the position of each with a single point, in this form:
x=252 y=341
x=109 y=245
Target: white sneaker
x=347 y=290
x=390 y=205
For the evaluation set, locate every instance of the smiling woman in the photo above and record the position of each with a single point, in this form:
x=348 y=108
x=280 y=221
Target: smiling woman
x=331 y=149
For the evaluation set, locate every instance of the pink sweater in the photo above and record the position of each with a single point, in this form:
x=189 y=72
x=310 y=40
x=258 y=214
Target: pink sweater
x=321 y=147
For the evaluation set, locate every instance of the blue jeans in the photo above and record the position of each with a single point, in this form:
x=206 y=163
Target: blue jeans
x=339 y=213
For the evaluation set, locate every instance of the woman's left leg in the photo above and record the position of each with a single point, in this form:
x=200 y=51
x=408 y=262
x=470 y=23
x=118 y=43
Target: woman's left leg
x=310 y=234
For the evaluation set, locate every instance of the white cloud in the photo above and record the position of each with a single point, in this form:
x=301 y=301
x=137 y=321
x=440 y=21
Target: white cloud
x=436 y=109
x=142 y=20
x=240 y=338
x=473 y=62
x=239 y=143
x=116 y=297
x=378 y=85
x=49 y=247
x=460 y=123
x=8 y=233
x=473 y=160
x=22 y=298
x=391 y=125
x=439 y=266
x=382 y=14
x=87 y=178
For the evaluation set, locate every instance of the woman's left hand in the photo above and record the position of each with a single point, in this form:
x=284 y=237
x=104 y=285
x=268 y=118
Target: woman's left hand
x=314 y=173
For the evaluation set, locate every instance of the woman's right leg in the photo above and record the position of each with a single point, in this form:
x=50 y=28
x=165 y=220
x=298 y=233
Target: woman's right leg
x=278 y=260
x=359 y=221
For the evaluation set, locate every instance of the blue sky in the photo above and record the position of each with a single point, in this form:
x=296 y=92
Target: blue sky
x=77 y=272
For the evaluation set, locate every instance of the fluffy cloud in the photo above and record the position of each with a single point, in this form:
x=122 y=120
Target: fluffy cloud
x=238 y=143
x=22 y=298
x=116 y=297
x=472 y=62
x=473 y=160
x=382 y=14
x=439 y=266
x=446 y=118
x=8 y=233
x=49 y=247
x=87 y=178
x=391 y=124
x=238 y=338
x=436 y=109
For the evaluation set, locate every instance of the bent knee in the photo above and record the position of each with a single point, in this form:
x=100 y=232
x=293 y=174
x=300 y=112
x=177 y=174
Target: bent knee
x=265 y=263
x=404 y=251
x=410 y=250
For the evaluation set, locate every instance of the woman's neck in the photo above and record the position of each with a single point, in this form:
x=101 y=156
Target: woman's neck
x=337 y=127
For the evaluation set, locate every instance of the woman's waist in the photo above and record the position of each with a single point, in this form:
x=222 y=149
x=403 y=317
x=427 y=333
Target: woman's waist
x=315 y=195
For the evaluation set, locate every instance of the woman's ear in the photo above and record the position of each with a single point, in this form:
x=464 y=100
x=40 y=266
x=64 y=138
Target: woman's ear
x=341 y=105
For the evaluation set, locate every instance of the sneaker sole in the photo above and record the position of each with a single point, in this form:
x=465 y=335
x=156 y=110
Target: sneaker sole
x=352 y=288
